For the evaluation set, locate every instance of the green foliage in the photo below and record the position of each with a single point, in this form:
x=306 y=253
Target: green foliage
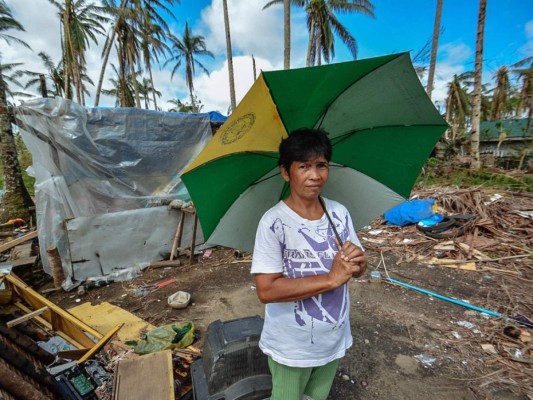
x=444 y=173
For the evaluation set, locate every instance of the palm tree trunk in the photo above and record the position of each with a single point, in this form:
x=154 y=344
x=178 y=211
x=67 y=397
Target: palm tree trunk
x=134 y=78
x=16 y=200
x=434 y=46
x=107 y=51
x=230 y=56
x=287 y=34
x=153 y=87
x=476 y=106
x=67 y=63
x=122 y=76
x=310 y=44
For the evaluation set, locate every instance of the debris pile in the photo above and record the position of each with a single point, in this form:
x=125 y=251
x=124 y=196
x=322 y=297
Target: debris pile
x=495 y=242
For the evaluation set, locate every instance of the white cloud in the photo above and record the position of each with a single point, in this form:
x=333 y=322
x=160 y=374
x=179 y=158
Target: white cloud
x=452 y=58
x=527 y=48
x=455 y=52
x=213 y=90
x=254 y=31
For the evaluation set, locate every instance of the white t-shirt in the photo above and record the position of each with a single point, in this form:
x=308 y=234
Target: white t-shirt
x=313 y=331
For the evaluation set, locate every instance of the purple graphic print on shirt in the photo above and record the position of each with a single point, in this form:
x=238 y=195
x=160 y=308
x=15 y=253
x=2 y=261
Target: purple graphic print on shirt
x=315 y=259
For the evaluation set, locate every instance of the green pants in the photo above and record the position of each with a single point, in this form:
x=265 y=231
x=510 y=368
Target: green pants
x=291 y=383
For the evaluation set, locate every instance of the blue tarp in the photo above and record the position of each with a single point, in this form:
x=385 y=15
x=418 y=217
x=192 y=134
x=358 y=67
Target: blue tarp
x=410 y=212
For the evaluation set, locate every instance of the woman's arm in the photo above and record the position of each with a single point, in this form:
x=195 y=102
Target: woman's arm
x=273 y=288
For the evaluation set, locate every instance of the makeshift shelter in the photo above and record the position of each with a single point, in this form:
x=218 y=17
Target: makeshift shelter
x=104 y=177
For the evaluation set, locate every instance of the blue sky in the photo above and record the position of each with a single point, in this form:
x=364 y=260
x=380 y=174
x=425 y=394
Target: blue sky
x=399 y=26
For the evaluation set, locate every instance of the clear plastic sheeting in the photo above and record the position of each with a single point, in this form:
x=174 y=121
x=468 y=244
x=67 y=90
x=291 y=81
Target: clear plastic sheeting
x=92 y=162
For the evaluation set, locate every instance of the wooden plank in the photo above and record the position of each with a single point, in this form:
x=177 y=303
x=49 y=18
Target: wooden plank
x=19 y=262
x=105 y=316
x=165 y=263
x=48 y=325
x=61 y=320
x=101 y=343
x=146 y=377
x=26 y=317
x=13 y=243
x=72 y=354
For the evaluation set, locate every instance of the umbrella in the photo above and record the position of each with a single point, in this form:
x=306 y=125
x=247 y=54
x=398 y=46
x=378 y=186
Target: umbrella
x=381 y=123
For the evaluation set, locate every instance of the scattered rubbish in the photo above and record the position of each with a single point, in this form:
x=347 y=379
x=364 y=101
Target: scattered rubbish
x=375 y=277
x=525 y=214
x=520 y=319
x=495 y=197
x=512 y=331
x=425 y=359
x=466 y=324
x=179 y=299
x=165 y=283
x=410 y=212
x=141 y=291
x=434 y=220
x=456 y=335
x=207 y=253
x=375 y=232
x=489 y=348
x=56 y=344
x=165 y=337
x=448 y=263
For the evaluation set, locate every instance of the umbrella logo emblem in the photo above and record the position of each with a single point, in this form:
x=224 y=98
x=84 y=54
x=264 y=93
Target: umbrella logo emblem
x=237 y=129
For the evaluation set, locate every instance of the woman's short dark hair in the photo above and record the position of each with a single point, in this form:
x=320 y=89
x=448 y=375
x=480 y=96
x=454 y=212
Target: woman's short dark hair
x=304 y=144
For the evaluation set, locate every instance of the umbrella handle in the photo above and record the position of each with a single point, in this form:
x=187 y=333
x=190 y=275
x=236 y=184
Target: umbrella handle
x=323 y=204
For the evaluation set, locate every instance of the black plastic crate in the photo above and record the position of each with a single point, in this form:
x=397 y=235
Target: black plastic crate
x=232 y=367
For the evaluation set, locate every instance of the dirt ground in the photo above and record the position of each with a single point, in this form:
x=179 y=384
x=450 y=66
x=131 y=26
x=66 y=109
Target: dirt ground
x=407 y=345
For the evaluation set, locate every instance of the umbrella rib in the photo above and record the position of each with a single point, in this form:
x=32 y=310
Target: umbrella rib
x=339 y=139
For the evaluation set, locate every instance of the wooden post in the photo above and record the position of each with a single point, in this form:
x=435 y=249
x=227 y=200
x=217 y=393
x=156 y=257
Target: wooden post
x=55 y=263
x=177 y=237
x=42 y=80
x=193 y=243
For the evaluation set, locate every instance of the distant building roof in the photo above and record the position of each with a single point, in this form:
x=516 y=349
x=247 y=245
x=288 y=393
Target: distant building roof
x=513 y=129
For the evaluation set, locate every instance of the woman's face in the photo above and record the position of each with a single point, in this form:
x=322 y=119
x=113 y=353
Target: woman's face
x=307 y=178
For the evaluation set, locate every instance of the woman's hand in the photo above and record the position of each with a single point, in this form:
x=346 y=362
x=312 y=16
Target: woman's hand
x=349 y=262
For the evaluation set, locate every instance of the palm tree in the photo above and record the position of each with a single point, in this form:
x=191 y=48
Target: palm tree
x=524 y=70
x=501 y=105
x=286 y=34
x=322 y=22
x=146 y=89
x=185 y=51
x=476 y=103
x=143 y=18
x=152 y=47
x=458 y=102
x=122 y=89
x=180 y=106
x=230 y=56
x=80 y=23
x=16 y=200
x=55 y=74
x=434 y=46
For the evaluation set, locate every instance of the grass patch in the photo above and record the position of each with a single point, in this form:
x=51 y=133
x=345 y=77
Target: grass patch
x=444 y=173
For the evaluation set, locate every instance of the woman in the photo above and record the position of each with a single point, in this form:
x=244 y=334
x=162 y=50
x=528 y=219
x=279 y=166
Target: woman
x=301 y=273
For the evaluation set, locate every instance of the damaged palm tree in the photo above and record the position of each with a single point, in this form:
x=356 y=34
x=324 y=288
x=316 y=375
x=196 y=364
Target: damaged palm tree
x=16 y=201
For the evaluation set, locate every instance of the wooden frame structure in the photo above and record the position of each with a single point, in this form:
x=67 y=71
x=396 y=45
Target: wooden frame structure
x=53 y=317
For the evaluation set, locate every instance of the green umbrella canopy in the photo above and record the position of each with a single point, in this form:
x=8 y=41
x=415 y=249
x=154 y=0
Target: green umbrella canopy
x=379 y=118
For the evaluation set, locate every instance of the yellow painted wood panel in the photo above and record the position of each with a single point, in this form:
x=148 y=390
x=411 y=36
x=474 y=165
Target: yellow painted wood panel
x=105 y=316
